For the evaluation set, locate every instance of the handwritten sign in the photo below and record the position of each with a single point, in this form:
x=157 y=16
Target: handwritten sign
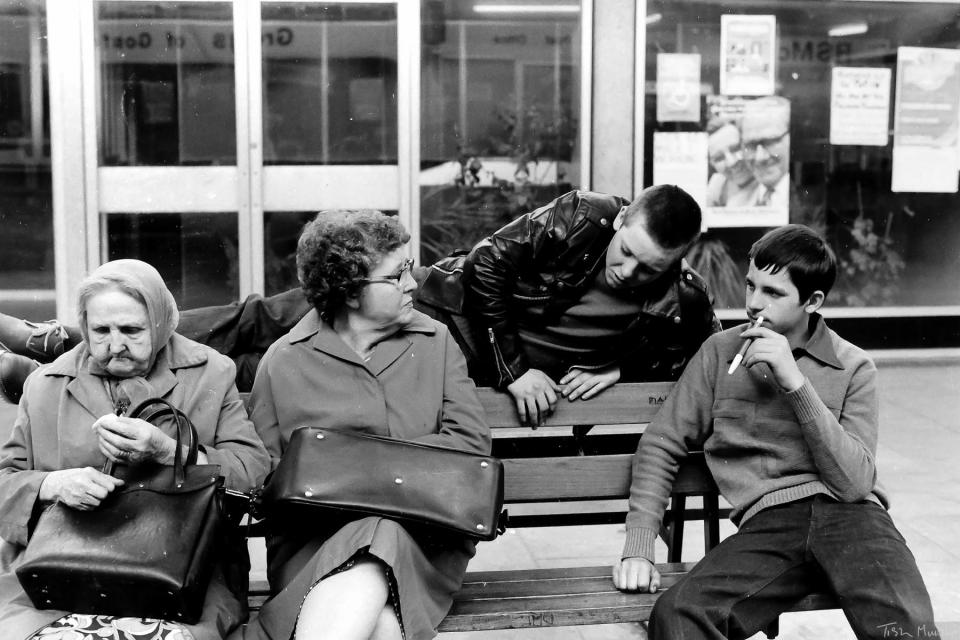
x=860 y=105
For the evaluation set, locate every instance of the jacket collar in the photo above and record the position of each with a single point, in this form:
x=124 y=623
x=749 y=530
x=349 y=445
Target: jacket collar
x=819 y=345
x=179 y=353
x=322 y=337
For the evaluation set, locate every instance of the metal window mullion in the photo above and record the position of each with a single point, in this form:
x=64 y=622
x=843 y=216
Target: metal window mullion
x=66 y=151
x=586 y=92
x=408 y=118
x=248 y=103
x=639 y=95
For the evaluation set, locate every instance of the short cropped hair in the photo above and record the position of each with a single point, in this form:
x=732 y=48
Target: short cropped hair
x=337 y=250
x=808 y=259
x=671 y=215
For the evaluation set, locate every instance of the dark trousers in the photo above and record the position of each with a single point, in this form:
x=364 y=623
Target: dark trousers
x=783 y=553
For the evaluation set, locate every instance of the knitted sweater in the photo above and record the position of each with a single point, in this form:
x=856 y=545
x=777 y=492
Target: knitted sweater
x=763 y=446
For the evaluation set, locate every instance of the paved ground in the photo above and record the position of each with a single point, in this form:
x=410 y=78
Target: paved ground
x=919 y=460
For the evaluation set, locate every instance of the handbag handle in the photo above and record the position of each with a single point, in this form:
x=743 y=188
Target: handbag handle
x=183 y=424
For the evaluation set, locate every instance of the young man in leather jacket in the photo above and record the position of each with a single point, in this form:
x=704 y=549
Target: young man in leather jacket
x=564 y=301
x=583 y=292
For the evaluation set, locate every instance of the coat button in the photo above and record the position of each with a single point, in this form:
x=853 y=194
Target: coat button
x=688 y=276
x=604 y=222
x=398 y=481
x=676 y=319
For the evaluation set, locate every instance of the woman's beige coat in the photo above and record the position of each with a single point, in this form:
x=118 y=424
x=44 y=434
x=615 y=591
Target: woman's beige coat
x=53 y=431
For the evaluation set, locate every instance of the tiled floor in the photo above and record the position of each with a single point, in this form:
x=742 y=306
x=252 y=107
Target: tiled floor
x=919 y=460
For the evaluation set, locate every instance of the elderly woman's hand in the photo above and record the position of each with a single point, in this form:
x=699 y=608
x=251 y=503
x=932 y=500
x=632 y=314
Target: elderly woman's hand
x=131 y=440
x=81 y=489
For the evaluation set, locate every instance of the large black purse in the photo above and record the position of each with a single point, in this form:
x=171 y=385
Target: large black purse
x=337 y=473
x=146 y=551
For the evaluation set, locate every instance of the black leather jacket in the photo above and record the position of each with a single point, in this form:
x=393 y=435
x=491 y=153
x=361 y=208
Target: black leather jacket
x=548 y=258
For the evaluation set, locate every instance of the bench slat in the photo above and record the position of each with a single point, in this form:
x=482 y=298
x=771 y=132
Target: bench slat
x=593 y=477
x=626 y=403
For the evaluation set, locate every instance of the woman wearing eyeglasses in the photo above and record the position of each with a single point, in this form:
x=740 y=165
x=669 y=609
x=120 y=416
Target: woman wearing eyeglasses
x=362 y=359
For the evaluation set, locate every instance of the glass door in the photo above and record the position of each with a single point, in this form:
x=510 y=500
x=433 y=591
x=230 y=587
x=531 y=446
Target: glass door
x=221 y=127
x=333 y=89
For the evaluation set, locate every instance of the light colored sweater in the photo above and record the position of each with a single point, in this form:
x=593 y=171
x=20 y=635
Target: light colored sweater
x=763 y=446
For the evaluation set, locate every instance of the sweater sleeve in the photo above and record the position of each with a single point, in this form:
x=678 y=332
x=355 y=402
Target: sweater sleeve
x=679 y=425
x=843 y=449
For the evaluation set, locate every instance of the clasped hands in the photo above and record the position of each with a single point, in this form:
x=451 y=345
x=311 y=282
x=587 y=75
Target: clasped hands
x=536 y=394
x=121 y=439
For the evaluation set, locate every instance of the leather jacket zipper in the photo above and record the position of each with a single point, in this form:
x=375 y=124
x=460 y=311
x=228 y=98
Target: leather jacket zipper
x=498 y=358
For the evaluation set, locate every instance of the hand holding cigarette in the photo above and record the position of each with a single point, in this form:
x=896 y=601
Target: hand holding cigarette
x=737 y=359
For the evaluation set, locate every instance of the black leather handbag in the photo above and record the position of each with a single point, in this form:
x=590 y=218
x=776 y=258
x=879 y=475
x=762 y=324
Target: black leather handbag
x=146 y=551
x=329 y=470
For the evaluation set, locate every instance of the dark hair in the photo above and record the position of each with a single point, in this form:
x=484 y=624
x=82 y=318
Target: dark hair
x=808 y=259
x=671 y=215
x=337 y=250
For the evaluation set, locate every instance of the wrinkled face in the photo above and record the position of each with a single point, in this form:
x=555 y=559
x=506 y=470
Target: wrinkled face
x=774 y=296
x=765 y=136
x=387 y=297
x=118 y=332
x=726 y=156
x=633 y=257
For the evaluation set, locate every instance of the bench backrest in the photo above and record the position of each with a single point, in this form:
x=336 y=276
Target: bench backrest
x=558 y=464
x=560 y=475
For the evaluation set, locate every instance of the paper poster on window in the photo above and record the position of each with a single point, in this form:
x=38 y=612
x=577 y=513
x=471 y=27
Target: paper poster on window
x=925 y=120
x=748 y=154
x=748 y=49
x=860 y=105
x=678 y=87
x=680 y=159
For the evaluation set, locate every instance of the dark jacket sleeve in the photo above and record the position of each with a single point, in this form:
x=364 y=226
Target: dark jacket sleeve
x=490 y=273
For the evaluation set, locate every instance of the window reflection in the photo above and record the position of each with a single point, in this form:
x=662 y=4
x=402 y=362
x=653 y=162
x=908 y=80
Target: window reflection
x=196 y=253
x=499 y=116
x=894 y=248
x=26 y=205
x=167 y=83
x=329 y=83
x=281 y=230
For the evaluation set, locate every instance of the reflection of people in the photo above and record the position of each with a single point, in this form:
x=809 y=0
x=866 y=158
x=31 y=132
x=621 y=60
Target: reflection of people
x=585 y=291
x=732 y=184
x=130 y=353
x=791 y=440
x=362 y=359
x=765 y=136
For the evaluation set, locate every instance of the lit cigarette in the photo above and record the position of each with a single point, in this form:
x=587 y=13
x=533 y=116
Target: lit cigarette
x=737 y=359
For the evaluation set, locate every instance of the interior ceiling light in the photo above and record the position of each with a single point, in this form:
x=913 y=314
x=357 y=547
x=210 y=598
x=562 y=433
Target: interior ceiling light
x=849 y=29
x=654 y=18
x=526 y=8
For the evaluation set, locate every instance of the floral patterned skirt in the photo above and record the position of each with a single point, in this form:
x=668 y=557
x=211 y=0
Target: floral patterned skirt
x=77 y=626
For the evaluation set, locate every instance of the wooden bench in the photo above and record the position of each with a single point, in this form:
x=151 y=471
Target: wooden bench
x=561 y=475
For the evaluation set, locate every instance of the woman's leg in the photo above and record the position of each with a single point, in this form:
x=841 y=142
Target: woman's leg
x=388 y=626
x=346 y=606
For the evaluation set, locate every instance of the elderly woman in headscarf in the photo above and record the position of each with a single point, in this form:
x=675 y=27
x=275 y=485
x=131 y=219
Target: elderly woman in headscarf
x=362 y=360
x=71 y=420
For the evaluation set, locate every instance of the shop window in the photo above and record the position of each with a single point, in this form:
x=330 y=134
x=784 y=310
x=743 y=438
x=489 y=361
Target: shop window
x=281 y=231
x=167 y=84
x=329 y=83
x=196 y=253
x=500 y=117
x=896 y=242
x=26 y=203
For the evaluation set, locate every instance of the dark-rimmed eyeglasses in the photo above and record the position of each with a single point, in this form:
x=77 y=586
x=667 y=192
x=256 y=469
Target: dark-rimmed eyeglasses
x=393 y=278
x=750 y=148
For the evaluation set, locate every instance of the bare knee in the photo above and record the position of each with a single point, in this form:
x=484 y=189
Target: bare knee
x=388 y=626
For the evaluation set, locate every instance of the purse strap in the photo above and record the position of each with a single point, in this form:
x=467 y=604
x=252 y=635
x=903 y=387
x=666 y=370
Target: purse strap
x=185 y=431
